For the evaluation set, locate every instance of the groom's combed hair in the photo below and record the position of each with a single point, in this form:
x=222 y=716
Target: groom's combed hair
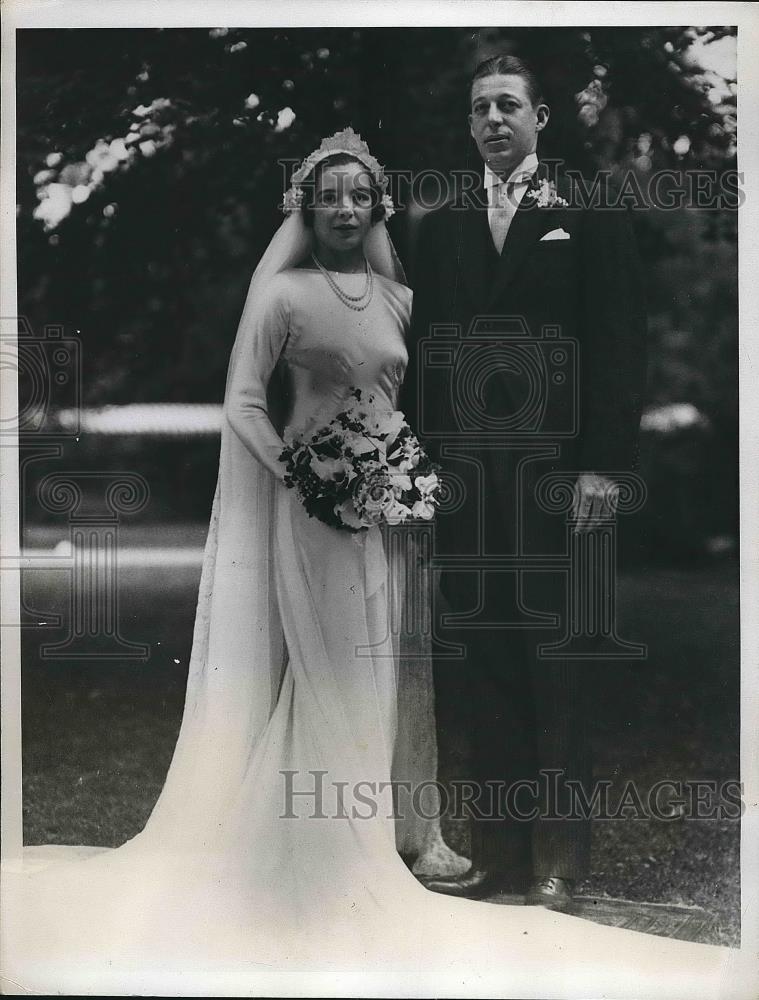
x=309 y=189
x=506 y=65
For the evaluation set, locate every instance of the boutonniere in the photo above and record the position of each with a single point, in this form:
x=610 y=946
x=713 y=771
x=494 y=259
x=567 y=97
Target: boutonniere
x=545 y=195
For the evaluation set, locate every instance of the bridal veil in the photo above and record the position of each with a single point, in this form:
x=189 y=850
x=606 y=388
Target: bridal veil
x=238 y=650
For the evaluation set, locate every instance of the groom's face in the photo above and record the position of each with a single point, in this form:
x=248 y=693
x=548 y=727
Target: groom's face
x=503 y=121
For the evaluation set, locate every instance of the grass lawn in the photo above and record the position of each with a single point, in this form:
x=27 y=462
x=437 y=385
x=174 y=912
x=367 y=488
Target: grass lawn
x=98 y=737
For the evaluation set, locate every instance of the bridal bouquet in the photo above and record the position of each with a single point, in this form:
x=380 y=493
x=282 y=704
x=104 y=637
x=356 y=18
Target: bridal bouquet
x=362 y=468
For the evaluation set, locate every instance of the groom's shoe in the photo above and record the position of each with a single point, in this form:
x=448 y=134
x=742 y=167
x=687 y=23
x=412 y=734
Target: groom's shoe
x=551 y=892
x=473 y=884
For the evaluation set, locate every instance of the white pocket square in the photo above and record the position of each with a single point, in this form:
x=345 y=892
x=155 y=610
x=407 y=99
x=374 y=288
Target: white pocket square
x=555 y=234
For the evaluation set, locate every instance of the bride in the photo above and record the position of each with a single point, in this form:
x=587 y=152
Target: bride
x=270 y=862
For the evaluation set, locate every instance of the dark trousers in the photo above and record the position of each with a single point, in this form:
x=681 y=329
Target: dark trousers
x=527 y=721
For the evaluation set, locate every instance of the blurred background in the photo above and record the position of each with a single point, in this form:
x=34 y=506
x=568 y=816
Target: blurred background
x=149 y=178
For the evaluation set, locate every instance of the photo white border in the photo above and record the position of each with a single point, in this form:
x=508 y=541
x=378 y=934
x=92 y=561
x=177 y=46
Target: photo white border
x=372 y=13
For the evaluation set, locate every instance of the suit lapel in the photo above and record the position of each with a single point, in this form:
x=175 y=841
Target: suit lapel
x=477 y=255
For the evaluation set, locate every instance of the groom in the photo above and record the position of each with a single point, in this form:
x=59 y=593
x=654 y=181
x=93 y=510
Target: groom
x=527 y=358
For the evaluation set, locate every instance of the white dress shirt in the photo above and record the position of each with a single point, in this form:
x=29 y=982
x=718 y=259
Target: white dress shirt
x=502 y=202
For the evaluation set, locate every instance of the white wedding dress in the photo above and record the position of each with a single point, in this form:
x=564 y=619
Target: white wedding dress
x=294 y=678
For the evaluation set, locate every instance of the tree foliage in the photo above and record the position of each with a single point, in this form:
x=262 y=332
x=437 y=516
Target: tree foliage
x=150 y=161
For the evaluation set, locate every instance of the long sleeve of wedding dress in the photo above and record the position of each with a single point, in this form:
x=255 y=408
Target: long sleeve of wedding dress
x=263 y=332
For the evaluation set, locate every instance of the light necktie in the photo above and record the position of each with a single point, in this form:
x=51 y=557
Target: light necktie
x=502 y=213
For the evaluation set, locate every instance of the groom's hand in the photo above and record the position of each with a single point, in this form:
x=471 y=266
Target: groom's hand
x=595 y=501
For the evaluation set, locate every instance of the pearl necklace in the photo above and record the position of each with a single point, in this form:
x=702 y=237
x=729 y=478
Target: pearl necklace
x=357 y=302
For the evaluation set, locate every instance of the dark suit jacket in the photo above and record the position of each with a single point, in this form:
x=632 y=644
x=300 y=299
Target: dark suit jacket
x=569 y=384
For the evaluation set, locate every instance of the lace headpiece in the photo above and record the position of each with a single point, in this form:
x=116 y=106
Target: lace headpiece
x=349 y=143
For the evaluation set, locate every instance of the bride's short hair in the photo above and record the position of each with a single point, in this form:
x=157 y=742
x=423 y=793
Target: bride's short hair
x=338 y=160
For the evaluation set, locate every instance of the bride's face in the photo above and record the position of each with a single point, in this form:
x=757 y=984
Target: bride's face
x=342 y=207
